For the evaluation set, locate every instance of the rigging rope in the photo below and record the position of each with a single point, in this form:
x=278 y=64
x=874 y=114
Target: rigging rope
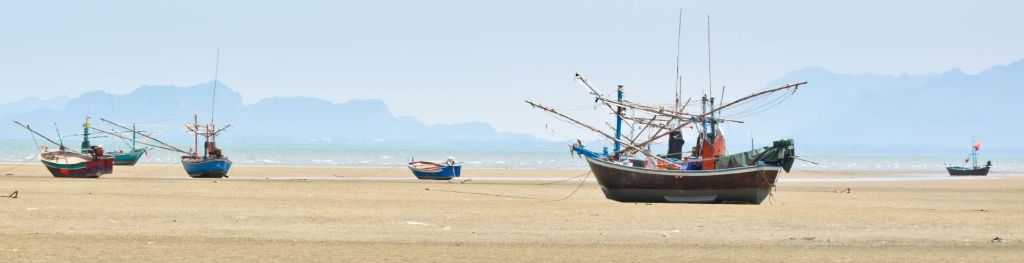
x=570 y=195
x=20 y=164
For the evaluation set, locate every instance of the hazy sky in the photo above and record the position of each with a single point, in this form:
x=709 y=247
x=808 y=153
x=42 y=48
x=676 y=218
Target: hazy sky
x=457 y=61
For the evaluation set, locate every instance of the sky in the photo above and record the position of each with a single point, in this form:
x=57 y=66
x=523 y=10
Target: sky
x=457 y=61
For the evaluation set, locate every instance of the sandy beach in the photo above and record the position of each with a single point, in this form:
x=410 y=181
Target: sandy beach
x=157 y=213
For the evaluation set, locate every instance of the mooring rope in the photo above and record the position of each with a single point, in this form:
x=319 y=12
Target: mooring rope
x=20 y=164
x=522 y=197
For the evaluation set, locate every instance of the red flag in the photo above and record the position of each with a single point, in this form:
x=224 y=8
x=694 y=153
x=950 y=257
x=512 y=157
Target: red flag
x=977 y=146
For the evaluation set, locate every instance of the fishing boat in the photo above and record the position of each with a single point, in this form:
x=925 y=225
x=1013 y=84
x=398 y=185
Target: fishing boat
x=436 y=171
x=212 y=163
x=67 y=163
x=973 y=170
x=121 y=157
x=632 y=173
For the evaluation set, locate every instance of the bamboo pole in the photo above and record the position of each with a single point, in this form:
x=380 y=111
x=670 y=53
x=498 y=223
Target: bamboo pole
x=144 y=135
x=37 y=133
x=166 y=147
x=628 y=145
x=658 y=136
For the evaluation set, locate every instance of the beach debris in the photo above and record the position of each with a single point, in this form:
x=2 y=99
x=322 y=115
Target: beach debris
x=847 y=190
x=664 y=235
x=461 y=182
x=415 y=223
x=997 y=240
x=13 y=194
x=30 y=208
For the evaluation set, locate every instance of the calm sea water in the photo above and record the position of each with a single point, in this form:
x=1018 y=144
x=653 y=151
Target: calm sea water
x=15 y=151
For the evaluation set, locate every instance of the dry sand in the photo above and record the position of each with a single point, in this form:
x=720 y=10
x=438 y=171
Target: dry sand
x=157 y=213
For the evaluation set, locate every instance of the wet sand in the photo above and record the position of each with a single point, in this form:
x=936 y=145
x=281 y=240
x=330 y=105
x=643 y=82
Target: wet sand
x=157 y=213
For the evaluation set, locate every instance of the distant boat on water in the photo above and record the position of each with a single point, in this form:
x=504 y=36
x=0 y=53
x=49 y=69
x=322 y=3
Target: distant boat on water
x=68 y=163
x=974 y=169
x=436 y=171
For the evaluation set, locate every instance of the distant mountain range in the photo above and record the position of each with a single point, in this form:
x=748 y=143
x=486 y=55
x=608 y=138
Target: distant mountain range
x=870 y=112
x=273 y=120
x=836 y=112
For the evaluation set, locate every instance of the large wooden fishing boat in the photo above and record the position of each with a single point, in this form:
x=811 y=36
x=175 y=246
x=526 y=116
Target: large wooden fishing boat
x=740 y=178
x=974 y=170
x=631 y=173
x=67 y=163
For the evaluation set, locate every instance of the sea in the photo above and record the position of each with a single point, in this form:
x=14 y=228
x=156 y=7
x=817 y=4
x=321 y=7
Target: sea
x=553 y=157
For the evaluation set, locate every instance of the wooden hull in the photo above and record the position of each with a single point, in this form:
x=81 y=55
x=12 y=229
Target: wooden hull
x=965 y=171
x=443 y=172
x=128 y=158
x=74 y=165
x=209 y=168
x=734 y=185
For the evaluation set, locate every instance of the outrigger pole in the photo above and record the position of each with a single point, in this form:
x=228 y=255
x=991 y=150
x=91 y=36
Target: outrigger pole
x=702 y=116
x=628 y=145
x=143 y=135
x=165 y=147
x=37 y=133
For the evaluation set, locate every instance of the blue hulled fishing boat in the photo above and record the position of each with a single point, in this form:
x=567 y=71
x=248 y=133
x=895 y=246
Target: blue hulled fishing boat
x=436 y=171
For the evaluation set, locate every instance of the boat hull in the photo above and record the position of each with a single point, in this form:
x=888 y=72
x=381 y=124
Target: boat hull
x=733 y=185
x=964 y=171
x=443 y=173
x=209 y=168
x=88 y=169
x=128 y=158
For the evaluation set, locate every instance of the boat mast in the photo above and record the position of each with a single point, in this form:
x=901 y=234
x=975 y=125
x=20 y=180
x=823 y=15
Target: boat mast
x=133 y=136
x=85 y=135
x=212 y=137
x=974 y=152
x=195 y=133
x=678 y=79
x=618 y=121
x=58 y=136
x=216 y=70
